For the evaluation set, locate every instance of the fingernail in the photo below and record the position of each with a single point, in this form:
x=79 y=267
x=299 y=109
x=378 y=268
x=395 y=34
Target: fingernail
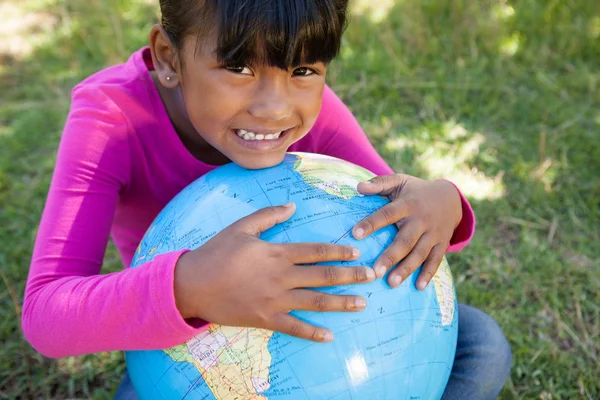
x=379 y=270
x=421 y=285
x=370 y=274
x=395 y=281
x=367 y=183
x=355 y=252
x=328 y=337
x=288 y=205
x=358 y=233
x=360 y=303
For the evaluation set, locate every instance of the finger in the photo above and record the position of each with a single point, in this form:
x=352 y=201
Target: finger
x=411 y=262
x=383 y=185
x=386 y=215
x=311 y=300
x=403 y=243
x=265 y=218
x=431 y=265
x=292 y=326
x=309 y=253
x=323 y=276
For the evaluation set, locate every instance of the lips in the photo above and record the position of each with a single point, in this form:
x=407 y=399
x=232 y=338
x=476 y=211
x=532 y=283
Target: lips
x=271 y=140
x=249 y=135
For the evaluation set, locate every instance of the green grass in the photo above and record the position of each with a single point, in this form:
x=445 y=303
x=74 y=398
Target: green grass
x=499 y=95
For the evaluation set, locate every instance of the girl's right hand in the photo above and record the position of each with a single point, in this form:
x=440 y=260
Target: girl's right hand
x=236 y=279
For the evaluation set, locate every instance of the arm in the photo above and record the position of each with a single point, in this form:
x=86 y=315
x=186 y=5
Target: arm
x=70 y=309
x=338 y=134
x=465 y=230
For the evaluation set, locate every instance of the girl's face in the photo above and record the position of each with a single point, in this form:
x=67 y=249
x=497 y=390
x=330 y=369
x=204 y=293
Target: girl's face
x=250 y=114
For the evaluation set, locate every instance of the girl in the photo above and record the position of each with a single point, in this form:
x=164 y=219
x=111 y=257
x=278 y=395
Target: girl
x=225 y=81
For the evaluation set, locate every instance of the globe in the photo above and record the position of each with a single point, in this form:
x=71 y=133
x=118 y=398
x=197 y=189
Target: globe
x=402 y=346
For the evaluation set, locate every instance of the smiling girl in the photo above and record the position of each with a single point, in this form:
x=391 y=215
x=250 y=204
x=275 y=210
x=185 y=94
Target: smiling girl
x=226 y=81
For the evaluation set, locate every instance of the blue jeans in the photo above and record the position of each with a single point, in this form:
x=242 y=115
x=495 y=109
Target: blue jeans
x=483 y=358
x=481 y=366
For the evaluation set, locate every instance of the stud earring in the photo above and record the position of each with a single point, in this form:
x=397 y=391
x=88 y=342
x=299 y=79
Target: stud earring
x=168 y=78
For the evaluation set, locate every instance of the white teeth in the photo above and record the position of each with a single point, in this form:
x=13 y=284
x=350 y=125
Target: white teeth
x=247 y=135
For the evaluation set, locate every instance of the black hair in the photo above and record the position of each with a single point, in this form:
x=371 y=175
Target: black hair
x=279 y=33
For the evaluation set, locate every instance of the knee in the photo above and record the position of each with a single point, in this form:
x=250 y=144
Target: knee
x=500 y=353
x=498 y=346
x=484 y=341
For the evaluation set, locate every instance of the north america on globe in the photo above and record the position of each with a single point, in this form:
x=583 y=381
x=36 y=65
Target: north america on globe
x=401 y=346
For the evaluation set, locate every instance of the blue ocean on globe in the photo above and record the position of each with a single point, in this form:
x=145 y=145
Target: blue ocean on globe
x=402 y=346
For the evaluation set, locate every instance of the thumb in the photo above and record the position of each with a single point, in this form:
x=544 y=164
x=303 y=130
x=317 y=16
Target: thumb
x=265 y=218
x=383 y=185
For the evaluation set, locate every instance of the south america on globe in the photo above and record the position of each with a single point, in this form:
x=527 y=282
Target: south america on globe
x=402 y=346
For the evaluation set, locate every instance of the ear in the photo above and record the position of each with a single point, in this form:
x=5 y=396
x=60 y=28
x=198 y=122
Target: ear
x=164 y=57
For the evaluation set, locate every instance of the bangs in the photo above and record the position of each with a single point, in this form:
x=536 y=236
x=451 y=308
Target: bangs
x=278 y=33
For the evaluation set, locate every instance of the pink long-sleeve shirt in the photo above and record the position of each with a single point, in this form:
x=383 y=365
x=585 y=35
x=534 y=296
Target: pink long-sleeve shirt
x=119 y=163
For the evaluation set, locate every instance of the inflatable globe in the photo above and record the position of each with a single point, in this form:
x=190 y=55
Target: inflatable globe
x=401 y=346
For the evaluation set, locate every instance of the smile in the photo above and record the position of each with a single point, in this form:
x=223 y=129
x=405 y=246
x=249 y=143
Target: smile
x=249 y=136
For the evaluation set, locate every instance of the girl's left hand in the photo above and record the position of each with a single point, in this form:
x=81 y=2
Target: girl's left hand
x=426 y=213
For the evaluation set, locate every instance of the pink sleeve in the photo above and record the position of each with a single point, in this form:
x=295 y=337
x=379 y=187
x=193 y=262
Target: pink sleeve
x=70 y=309
x=338 y=134
x=466 y=228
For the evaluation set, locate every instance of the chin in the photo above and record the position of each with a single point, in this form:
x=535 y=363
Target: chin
x=259 y=161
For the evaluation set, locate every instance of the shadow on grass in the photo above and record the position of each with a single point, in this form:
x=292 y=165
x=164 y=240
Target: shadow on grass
x=502 y=97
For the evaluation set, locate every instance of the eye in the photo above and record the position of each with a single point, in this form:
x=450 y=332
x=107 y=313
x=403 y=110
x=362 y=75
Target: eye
x=238 y=69
x=304 y=71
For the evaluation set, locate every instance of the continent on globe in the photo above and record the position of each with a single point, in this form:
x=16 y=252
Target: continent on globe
x=231 y=361
x=331 y=176
x=444 y=291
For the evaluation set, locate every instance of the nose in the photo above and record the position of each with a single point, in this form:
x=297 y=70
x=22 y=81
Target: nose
x=272 y=101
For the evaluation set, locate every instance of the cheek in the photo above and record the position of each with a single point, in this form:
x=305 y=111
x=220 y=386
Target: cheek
x=311 y=106
x=209 y=104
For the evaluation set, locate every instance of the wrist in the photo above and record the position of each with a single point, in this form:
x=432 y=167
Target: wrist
x=454 y=200
x=182 y=290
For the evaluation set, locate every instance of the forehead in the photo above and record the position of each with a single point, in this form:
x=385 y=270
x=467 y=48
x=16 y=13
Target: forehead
x=266 y=36
x=206 y=48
